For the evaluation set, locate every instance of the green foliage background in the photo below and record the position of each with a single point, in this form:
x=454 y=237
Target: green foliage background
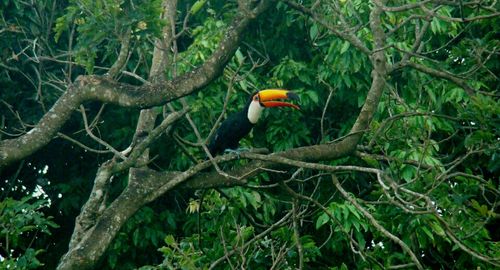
x=420 y=119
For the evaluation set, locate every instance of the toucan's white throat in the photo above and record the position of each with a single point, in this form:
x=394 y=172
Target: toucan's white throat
x=254 y=111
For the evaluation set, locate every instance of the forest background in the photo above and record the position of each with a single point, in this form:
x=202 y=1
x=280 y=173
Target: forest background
x=392 y=162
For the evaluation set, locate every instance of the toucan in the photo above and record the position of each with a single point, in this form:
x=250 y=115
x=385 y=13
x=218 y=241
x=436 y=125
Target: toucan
x=238 y=125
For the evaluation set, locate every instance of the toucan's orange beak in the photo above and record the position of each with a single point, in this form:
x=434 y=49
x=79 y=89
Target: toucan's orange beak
x=268 y=98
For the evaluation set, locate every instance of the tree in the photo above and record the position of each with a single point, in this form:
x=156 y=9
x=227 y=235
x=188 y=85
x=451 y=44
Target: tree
x=392 y=162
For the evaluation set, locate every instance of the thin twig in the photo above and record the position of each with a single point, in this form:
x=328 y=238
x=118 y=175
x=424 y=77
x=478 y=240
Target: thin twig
x=66 y=137
x=89 y=132
x=276 y=225
x=375 y=223
x=296 y=235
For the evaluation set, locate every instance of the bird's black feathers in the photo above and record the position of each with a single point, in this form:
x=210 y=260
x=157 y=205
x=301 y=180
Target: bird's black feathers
x=238 y=125
x=231 y=131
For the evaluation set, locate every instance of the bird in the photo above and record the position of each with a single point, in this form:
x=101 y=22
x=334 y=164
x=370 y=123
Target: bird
x=238 y=125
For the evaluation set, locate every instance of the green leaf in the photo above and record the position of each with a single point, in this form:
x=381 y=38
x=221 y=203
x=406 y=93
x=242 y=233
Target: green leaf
x=408 y=173
x=243 y=84
x=437 y=229
x=322 y=220
x=246 y=232
x=313 y=96
x=136 y=237
x=169 y=240
x=197 y=6
x=455 y=95
x=112 y=260
x=313 y=33
x=482 y=209
x=428 y=233
x=431 y=94
x=361 y=240
x=361 y=100
x=345 y=47
x=371 y=161
x=239 y=57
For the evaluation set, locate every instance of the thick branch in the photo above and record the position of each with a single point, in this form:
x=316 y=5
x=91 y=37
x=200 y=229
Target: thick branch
x=99 y=88
x=162 y=53
x=21 y=147
x=154 y=184
x=85 y=253
x=88 y=244
x=323 y=151
x=145 y=185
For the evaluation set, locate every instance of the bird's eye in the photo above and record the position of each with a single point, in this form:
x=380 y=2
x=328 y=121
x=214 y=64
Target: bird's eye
x=256 y=97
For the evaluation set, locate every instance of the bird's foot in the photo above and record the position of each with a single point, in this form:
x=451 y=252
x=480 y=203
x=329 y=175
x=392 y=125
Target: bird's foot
x=236 y=151
x=243 y=149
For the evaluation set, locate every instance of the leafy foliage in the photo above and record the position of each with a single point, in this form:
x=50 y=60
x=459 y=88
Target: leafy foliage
x=101 y=26
x=436 y=145
x=20 y=221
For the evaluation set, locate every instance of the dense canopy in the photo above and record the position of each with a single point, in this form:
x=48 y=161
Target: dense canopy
x=107 y=108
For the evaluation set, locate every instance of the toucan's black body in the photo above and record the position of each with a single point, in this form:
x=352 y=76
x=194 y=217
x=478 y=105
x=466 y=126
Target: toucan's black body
x=238 y=125
x=231 y=131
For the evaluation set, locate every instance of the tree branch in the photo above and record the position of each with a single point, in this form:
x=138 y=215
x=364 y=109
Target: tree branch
x=375 y=223
x=460 y=20
x=345 y=33
x=94 y=231
x=103 y=89
x=443 y=75
x=276 y=225
x=403 y=7
x=122 y=56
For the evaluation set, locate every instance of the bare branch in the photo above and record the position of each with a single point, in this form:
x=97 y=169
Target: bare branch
x=431 y=205
x=460 y=20
x=121 y=61
x=224 y=107
x=296 y=235
x=276 y=225
x=375 y=223
x=66 y=137
x=401 y=8
x=442 y=74
x=103 y=89
x=89 y=132
x=146 y=142
x=342 y=33
x=324 y=110
x=404 y=22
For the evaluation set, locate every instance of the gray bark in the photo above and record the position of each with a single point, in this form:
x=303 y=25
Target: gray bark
x=97 y=224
